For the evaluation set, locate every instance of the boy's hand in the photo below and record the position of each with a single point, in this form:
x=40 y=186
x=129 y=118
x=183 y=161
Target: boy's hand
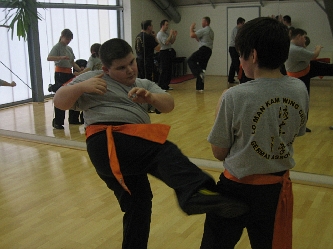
x=140 y=95
x=94 y=85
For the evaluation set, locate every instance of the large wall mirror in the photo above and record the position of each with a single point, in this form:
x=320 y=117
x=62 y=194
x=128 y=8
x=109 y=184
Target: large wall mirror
x=193 y=117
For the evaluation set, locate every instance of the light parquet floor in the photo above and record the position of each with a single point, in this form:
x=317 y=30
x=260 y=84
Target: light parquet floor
x=51 y=197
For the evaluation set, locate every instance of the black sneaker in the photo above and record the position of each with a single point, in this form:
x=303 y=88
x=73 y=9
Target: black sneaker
x=56 y=126
x=50 y=88
x=206 y=201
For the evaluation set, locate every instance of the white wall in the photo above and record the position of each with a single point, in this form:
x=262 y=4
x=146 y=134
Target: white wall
x=140 y=11
x=304 y=14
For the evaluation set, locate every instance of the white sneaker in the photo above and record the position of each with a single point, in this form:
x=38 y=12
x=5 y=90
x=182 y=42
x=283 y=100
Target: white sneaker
x=202 y=75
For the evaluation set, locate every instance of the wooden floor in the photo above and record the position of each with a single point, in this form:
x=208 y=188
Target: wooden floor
x=51 y=197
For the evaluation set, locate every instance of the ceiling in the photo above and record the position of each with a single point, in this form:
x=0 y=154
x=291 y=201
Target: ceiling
x=327 y=7
x=177 y=3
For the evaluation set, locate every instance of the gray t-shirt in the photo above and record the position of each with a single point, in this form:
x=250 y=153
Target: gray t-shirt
x=114 y=105
x=233 y=36
x=94 y=63
x=258 y=121
x=298 y=59
x=162 y=37
x=205 y=36
x=63 y=50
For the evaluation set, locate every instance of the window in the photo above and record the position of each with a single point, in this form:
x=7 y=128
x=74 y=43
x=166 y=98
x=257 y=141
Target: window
x=89 y=26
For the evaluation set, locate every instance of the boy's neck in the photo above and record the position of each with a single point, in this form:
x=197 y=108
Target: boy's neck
x=267 y=73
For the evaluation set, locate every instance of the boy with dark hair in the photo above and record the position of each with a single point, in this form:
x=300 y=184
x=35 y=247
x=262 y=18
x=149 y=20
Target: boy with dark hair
x=255 y=127
x=124 y=147
x=287 y=21
x=301 y=62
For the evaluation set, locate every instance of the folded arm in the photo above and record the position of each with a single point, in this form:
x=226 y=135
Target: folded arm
x=66 y=96
x=164 y=102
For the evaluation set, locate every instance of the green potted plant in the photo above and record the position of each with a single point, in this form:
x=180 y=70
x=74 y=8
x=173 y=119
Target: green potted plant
x=21 y=13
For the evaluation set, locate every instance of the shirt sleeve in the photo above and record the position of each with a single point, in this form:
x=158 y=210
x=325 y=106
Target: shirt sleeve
x=221 y=134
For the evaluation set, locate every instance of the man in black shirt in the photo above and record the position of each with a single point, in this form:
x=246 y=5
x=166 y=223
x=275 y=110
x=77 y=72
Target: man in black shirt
x=145 y=46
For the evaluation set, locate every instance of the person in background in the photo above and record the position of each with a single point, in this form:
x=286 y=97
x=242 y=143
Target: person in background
x=255 y=127
x=76 y=117
x=287 y=21
x=145 y=45
x=167 y=53
x=198 y=60
x=234 y=66
x=94 y=62
x=301 y=62
x=63 y=58
x=124 y=146
x=5 y=83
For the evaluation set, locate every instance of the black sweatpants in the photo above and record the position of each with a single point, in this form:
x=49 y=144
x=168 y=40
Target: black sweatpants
x=262 y=200
x=198 y=62
x=138 y=157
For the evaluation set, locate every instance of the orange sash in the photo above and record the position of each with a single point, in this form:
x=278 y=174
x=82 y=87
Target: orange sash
x=282 y=237
x=300 y=73
x=153 y=132
x=63 y=70
x=240 y=72
x=68 y=81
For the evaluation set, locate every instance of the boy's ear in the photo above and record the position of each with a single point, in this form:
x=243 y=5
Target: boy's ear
x=105 y=69
x=254 y=56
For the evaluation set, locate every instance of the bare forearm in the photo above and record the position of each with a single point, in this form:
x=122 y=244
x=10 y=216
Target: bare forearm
x=55 y=58
x=316 y=53
x=76 y=67
x=163 y=102
x=220 y=153
x=66 y=96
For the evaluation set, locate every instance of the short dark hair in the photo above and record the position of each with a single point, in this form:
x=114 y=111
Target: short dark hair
x=66 y=33
x=145 y=24
x=240 y=20
x=94 y=49
x=307 y=41
x=268 y=37
x=207 y=19
x=287 y=19
x=297 y=32
x=163 y=22
x=114 y=49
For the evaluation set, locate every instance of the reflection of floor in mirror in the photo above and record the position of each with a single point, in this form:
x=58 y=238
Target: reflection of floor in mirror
x=191 y=121
x=51 y=197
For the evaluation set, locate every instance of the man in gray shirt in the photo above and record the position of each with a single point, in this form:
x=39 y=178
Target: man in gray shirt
x=167 y=53
x=234 y=66
x=198 y=60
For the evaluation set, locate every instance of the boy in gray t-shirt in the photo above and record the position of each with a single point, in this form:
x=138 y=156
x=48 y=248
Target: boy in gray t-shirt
x=115 y=105
x=255 y=127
